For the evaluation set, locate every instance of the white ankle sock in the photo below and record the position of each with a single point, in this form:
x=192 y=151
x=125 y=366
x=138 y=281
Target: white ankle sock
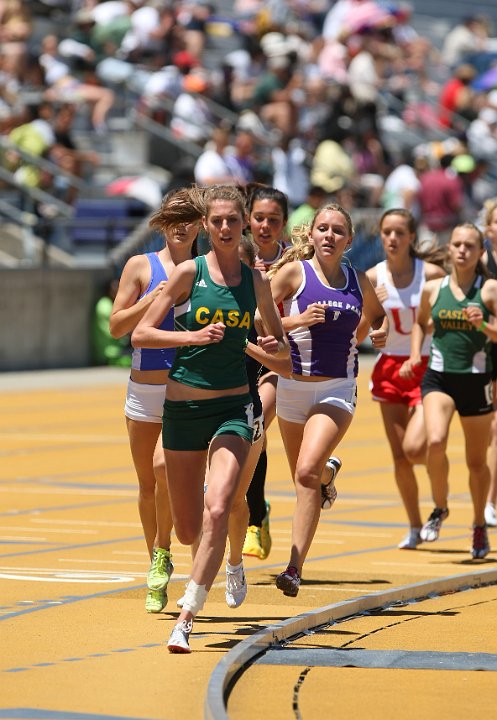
x=233 y=568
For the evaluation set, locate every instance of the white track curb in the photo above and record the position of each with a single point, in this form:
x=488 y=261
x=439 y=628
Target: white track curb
x=235 y=660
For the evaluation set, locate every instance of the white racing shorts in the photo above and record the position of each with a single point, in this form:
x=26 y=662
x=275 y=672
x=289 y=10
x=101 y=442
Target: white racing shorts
x=295 y=399
x=144 y=403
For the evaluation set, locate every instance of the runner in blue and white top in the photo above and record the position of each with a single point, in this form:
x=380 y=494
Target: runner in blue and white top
x=325 y=300
x=155 y=358
x=142 y=280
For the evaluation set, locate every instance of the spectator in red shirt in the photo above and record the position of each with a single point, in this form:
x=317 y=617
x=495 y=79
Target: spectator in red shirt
x=457 y=97
x=440 y=199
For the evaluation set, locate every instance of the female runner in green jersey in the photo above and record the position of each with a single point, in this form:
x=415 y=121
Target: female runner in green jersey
x=458 y=377
x=208 y=411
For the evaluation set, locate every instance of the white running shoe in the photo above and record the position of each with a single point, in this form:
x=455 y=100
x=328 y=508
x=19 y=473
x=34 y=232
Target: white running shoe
x=329 y=492
x=236 y=586
x=411 y=540
x=178 y=640
x=431 y=529
x=490 y=515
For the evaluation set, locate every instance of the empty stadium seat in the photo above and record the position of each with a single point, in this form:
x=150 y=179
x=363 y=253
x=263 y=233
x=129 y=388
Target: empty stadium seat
x=105 y=221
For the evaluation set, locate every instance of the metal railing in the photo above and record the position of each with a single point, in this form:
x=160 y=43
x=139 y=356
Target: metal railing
x=163 y=132
x=29 y=196
x=41 y=163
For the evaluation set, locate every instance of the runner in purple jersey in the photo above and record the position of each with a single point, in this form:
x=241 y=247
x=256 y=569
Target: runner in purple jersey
x=329 y=347
x=324 y=301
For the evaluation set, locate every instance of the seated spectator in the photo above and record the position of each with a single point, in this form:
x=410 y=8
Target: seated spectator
x=332 y=168
x=15 y=30
x=211 y=167
x=147 y=38
x=314 y=109
x=79 y=46
x=193 y=18
x=240 y=158
x=441 y=200
x=369 y=66
x=192 y=118
x=402 y=185
x=290 y=171
x=66 y=154
x=369 y=161
x=65 y=87
x=107 y=11
x=10 y=93
x=36 y=137
x=112 y=22
x=273 y=98
x=469 y=171
x=334 y=21
x=482 y=134
x=242 y=69
x=457 y=99
x=162 y=85
x=304 y=213
x=466 y=38
x=333 y=61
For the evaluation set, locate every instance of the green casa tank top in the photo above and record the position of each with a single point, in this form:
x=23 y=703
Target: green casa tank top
x=457 y=346
x=218 y=366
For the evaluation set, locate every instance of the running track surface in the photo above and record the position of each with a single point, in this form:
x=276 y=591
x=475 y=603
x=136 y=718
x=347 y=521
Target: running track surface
x=77 y=643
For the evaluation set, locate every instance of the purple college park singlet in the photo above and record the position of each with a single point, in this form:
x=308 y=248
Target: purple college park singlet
x=326 y=349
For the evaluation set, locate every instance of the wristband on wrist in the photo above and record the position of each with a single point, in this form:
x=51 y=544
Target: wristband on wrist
x=482 y=326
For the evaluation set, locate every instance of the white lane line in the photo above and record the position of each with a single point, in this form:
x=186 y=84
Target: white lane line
x=418 y=565
x=15 y=528
x=51 y=571
x=118 y=562
x=346 y=533
x=44 y=490
x=334 y=532
x=284 y=533
x=70 y=577
x=389 y=501
x=59 y=437
x=176 y=553
x=101 y=562
x=21 y=538
x=335 y=588
x=93 y=523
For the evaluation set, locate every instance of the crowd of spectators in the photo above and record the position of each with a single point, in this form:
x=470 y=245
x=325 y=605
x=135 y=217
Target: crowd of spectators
x=343 y=98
